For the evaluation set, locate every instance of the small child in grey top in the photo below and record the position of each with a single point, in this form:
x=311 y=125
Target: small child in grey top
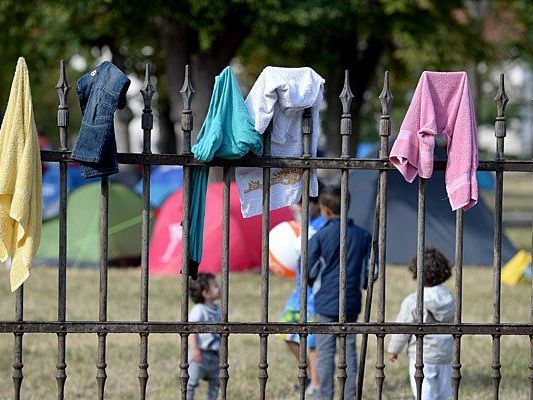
x=204 y=348
x=439 y=307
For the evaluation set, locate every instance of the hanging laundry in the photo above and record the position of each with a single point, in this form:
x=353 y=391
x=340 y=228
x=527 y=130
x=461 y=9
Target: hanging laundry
x=101 y=92
x=442 y=103
x=281 y=95
x=227 y=132
x=20 y=180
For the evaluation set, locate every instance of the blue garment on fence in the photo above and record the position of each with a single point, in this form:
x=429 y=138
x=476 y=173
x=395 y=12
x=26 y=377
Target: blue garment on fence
x=228 y=132
x=100 y=91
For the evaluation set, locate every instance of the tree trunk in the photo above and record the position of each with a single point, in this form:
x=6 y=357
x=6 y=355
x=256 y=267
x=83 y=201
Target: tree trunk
x=181 y=46
x=362 y=66
x=122 y=121
x=334 y=83
x=167 y=133
x=123 y=117
x=176 y=42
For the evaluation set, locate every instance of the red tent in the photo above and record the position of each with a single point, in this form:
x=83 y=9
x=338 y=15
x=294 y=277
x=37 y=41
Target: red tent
x=245 y=234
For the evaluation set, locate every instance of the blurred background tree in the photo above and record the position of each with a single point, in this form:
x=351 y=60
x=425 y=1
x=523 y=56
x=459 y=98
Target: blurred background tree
x=365 y=36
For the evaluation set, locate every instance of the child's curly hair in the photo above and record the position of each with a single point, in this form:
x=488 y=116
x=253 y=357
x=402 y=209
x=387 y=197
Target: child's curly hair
x=197 y=287
x=437 y=268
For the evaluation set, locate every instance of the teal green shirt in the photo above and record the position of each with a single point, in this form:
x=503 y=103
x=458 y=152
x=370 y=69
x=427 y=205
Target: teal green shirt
x=228 y=132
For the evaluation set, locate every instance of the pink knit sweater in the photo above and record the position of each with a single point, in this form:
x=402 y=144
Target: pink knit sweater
x=442 y=103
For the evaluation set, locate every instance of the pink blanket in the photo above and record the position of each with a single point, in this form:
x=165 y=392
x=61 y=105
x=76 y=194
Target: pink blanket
x=442 y=103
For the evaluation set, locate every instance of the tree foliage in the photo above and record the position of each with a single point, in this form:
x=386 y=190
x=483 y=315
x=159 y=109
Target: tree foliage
x=365 y=36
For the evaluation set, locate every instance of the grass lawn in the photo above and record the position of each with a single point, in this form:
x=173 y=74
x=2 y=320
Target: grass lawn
x=123 y=353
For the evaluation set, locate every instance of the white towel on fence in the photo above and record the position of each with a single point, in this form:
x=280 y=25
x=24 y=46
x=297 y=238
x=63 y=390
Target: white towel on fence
x=281 y=95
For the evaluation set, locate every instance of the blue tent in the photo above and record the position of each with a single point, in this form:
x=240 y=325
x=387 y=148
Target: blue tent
x=51 y=187
x=164 y=180
x=402 y=204
x=485 y=179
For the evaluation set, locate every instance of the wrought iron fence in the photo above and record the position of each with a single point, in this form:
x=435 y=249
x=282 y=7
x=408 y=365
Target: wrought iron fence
x=379 y=328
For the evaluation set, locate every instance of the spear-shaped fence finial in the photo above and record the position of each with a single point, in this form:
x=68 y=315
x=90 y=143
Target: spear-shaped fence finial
x=148 y=90
x=385 y=98
x=346 y=95
x=501 y=98
x=187 y=91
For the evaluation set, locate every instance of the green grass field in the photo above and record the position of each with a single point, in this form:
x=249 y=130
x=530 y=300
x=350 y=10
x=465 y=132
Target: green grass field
x=123 y=353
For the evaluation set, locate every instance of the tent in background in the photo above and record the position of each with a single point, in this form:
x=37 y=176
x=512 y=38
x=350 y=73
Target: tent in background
x=83 y=240
x=485 y=179
x=245 y=234
x=164 y=180
x=402 y=203
x=51 y=186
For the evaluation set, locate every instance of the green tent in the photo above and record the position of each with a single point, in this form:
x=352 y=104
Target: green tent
x=83 y=215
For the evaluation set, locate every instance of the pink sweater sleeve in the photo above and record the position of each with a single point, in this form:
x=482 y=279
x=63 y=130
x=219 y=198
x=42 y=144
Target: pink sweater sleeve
x=412 y=152
x=461 y=181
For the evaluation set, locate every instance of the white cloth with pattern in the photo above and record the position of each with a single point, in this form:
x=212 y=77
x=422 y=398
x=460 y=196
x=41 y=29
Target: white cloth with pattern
x=281 y=95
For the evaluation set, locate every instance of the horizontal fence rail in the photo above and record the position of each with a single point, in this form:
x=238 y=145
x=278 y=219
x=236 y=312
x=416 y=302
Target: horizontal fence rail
x=344 y=330
x=265 y=327
x=294 y=162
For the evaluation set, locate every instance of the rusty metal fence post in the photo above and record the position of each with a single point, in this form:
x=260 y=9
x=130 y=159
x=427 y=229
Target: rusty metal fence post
x=187 y=93
x=307 y=131
x=147 y=124
x=346 y=97
x=63 y=88
x=501 y=100
x=262 y=374
x=384 y=132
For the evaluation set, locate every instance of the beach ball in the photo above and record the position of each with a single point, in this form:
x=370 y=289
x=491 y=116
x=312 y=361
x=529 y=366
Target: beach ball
x=283 y=253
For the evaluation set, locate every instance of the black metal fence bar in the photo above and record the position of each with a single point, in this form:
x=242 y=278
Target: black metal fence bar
x=456 y=362
x=101 y=374
x=63 y=89
x=346 y=97
x=224 y=339
x=307 y=130
x=500 y=128
x=255 y=328
x=385 y=99
x=147 y=123
x=368 y=301
x=420 y=246
x=187 y=92
x=17 y=356
x=265 y=229
x=294 y=162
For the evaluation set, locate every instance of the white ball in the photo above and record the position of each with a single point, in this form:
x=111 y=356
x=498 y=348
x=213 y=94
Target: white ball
x=283 y=252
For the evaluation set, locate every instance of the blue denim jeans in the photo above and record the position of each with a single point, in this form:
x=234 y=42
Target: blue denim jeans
x=207 y=370
x=327 y=347
x=100 y=92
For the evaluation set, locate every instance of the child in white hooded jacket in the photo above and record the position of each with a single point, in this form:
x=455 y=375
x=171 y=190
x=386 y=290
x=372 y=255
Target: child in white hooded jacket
x=439 y=307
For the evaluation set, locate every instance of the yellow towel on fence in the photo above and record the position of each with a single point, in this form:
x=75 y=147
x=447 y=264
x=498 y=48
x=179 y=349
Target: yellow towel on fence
x=20 y=180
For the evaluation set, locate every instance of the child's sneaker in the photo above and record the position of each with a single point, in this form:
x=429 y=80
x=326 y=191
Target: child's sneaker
x=312 y=391
x=296 y=388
